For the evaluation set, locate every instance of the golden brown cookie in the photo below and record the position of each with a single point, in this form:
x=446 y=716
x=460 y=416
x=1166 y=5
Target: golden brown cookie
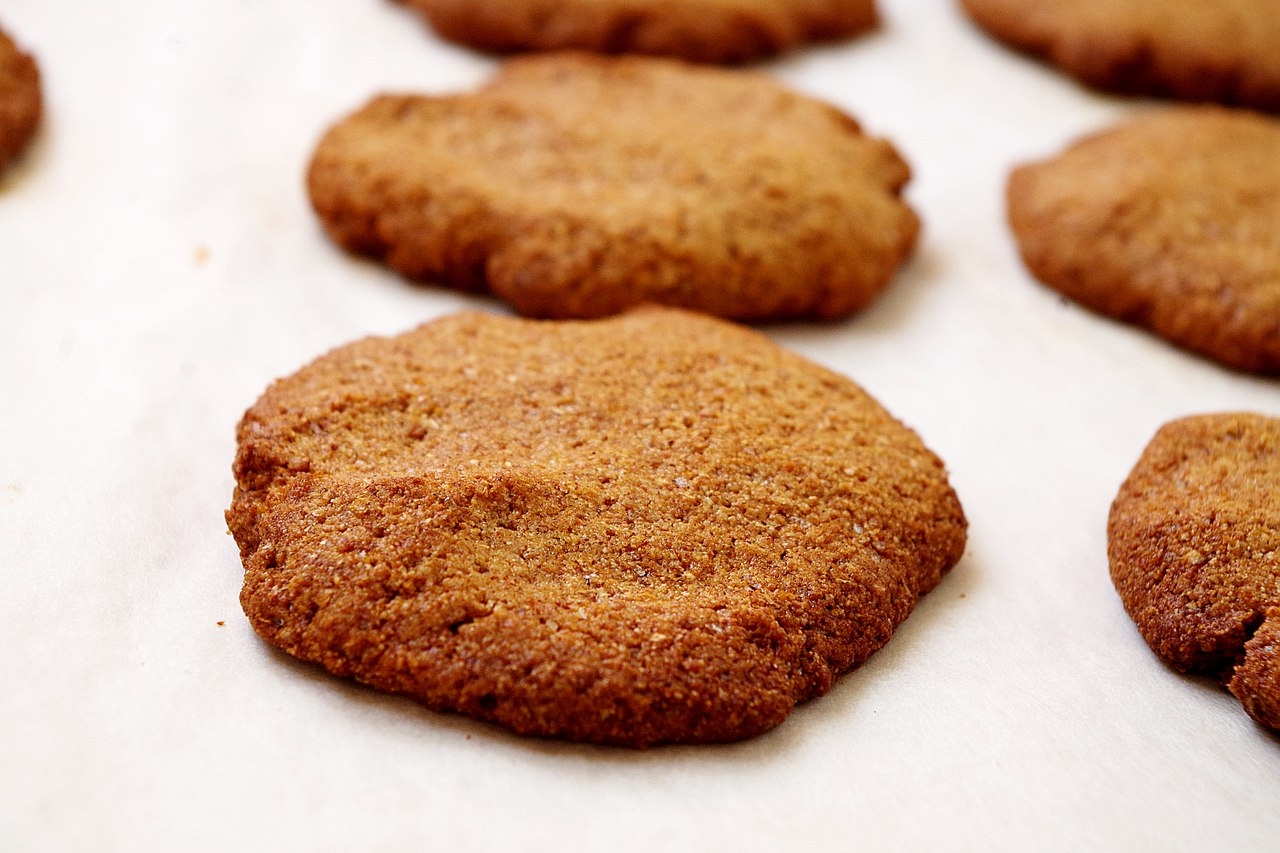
x=579 y=186
x=1194 y=543
x=1201 y=50
x=19 y=99
x=658 y=527
x=1170 y=221
x=724 y=31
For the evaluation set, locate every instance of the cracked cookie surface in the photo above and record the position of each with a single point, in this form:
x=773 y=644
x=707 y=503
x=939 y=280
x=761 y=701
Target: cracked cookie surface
x=1169 y=221
x=1226 y=50
x=716 y=31
x=1194 y=546
x=655 y=528
x=579 y=186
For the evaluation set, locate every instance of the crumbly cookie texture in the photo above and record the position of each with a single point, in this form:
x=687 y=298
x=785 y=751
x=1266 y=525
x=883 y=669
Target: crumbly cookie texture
x=1226 y=50
x=20 y=101
x=1194 y=543
x=576 y=186
x=713 y=31
x=659 y=527
x=1170 y=221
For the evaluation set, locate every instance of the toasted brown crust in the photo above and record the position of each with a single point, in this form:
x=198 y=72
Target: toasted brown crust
x=1226 y=50
x=714 y=31
x=1194 y=545
x=1168 y=222
x=1256 y=680
x=579 y=186
x=655 y=528
x=20 y=103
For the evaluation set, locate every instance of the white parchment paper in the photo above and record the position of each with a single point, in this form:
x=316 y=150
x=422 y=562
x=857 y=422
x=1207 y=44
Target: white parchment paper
x=159 y=265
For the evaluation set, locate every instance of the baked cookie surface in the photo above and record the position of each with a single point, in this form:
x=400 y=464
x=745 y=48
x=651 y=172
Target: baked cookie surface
x=720 y=31
x=1170 y=221
x=1224 y=50
x=1194 y=546
x=20 y=102
x=654 y=528
x=579 y=186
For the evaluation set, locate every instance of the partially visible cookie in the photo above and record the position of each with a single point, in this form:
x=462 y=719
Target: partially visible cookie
x=1201 y=50
x=720 y=31
x=19 y=99
x=654 y=528
x=1170 y=221
x=1194 y=544
x=578 y=186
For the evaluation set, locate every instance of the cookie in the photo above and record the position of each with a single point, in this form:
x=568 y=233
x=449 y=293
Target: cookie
x=20 y=102
x=576 y=186
x=653 y=528
x=717 y=31
x=1224 y=50
x=1170 y=221
x=1194 y=544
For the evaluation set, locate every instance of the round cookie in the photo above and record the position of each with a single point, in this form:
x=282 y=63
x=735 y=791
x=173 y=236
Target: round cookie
x=579 y=186
x=658 y=527
x=1224 y=50
x=20 y=103
x=1170 y=221
x=723 y=31
x=1194 y=545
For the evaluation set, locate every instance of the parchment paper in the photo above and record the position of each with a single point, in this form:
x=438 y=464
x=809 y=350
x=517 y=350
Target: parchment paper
x=160 y=264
